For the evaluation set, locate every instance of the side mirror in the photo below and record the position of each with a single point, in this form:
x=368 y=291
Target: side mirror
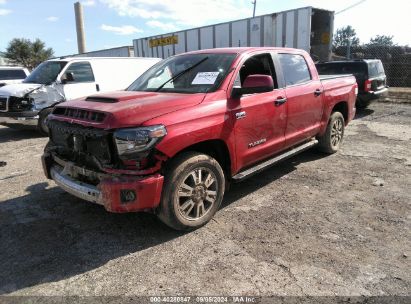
x=254 y=84
x=67 y=77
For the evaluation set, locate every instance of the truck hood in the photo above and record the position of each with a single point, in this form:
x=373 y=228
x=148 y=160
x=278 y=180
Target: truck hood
x=9 y=81
x=128 y=109
x=18 y=89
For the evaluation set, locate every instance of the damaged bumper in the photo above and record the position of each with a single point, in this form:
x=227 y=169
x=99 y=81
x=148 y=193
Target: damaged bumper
x=19 y=119
x=116 y=193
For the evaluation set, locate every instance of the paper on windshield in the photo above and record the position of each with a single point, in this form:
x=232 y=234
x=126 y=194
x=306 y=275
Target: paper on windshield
x=205 y=78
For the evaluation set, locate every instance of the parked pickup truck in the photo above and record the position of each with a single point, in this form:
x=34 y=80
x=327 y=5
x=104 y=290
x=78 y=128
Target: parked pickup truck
x=12 y=74
x=174 y=140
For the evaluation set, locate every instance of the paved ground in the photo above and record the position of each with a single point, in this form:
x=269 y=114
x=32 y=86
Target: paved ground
x=314 y=225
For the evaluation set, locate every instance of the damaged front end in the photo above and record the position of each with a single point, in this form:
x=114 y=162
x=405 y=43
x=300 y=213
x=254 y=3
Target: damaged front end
x=22 y=103
x=103 y=166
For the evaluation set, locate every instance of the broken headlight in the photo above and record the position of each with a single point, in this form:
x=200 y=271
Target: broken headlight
x=136 y=141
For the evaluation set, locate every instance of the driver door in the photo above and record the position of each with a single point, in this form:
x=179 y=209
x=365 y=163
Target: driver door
x=259 y=121
x=80 y=81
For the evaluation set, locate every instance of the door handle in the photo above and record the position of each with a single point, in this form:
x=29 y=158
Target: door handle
x=280 y=100
x=318 y=92
x=97 y=87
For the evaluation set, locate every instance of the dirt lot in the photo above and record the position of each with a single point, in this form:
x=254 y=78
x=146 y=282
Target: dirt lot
x=314 y=225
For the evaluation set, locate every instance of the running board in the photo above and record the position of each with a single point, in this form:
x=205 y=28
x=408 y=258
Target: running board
x=272 y=161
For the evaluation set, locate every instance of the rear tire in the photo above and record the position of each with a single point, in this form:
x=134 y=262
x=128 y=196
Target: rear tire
x=362 y=104
x=42 y=123
x=193 y=191
x=331 y=141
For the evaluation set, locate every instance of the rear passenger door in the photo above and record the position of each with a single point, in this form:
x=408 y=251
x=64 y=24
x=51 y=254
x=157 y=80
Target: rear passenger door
x=304 y=100
x=83 y=83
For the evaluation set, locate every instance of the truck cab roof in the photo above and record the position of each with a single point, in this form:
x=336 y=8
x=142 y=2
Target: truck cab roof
x=68 y=59
x=243 y=50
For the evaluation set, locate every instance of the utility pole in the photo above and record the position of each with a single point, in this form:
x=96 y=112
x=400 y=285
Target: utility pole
x=255 y=4
x=349 y=43
x=81 y=39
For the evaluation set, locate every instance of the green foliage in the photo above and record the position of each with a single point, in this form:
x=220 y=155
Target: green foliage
x=382 y=40
x=27 y=53
x=343 y=35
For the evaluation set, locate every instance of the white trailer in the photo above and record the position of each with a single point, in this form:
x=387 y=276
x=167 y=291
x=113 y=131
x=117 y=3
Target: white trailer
x=305 y=28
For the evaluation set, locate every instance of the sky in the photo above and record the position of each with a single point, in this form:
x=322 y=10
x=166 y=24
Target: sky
x=111 y=23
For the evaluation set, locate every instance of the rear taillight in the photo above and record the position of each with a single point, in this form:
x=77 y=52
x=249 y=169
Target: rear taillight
x=367 y=85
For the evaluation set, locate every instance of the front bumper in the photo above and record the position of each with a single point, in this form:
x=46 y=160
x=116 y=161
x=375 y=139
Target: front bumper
x=110 y=190
x=24 y=121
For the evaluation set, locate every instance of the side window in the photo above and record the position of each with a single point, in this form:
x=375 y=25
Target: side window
x=295 y=69
x=81 y=71
x=260 y=64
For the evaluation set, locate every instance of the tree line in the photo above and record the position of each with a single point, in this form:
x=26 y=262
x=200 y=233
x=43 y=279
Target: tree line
x=27 y=53
x=347 y=37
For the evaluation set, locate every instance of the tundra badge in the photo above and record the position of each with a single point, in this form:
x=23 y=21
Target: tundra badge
x=256 y=143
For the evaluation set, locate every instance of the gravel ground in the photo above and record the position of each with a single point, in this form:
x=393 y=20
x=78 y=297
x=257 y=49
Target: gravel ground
x=313 y=225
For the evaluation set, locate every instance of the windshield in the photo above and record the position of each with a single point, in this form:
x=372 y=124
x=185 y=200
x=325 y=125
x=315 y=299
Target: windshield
x=193 y=73
x=46 y=72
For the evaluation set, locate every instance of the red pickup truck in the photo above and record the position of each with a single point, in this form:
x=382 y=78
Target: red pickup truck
x=174 y=140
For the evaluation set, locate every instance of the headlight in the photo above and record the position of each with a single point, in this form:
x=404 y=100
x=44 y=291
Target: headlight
x=138 y=140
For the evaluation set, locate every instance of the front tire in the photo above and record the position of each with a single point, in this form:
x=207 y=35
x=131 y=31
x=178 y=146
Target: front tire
x=193 y=191
x=331 y=141
x=42 y=123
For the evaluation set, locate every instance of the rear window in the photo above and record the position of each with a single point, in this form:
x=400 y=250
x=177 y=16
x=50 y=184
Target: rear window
x=342 y=68
x=375 y=68
x=12 y=74
x=294 y=68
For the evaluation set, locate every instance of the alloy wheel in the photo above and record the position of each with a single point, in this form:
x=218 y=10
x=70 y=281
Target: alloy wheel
x=337 y=131
x=196 y=194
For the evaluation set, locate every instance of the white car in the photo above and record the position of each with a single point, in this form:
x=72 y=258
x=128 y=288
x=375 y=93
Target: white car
x=12 y=74
x=63 y=79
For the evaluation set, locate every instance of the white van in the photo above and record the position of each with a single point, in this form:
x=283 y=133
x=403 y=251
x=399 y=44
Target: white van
x=12 y=74
x=59 y=80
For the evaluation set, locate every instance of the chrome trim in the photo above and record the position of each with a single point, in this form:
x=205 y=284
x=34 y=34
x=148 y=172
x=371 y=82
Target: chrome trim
x=26 y=121
x=81 y=190
x=240 y=115
x=379 y=92
x=272 y=161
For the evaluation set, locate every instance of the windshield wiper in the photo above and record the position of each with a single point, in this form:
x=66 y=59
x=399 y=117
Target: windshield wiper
x=181 y=73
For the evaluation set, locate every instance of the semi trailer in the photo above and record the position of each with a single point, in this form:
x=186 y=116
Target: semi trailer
x=304 y=28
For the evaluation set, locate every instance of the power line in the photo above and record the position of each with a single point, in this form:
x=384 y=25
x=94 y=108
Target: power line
x=350 y=7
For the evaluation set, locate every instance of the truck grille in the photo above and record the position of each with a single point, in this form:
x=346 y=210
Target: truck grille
x=90 y=147
x=3 y=103
x=80 y=114
x=17 y=104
